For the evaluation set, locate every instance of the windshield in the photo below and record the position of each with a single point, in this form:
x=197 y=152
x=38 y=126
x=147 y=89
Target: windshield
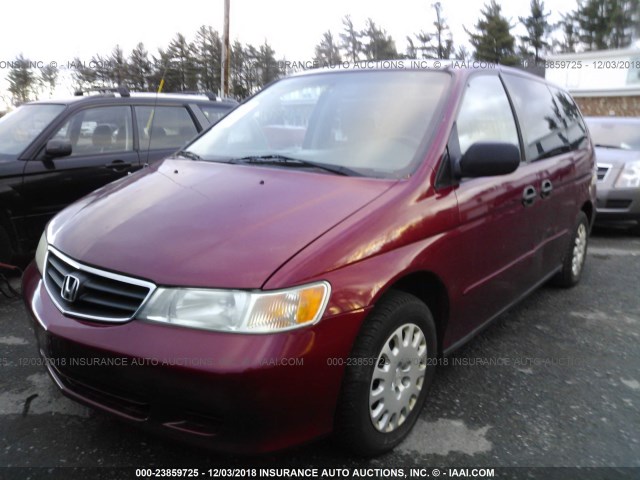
x=615 y=134
x=370 y=123
x=20 y=127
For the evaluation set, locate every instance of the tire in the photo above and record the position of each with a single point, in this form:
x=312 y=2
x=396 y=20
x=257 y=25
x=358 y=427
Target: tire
x=575 y=255
x=6 y=253
x=366 y=398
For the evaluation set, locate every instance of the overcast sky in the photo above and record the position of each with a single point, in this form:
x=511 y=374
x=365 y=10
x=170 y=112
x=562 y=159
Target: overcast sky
x=63 y=29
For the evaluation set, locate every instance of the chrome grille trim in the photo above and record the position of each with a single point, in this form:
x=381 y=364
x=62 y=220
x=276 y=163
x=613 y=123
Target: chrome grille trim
x=51 y=284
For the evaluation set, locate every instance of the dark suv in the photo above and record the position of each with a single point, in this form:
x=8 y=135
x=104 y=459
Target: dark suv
x=54 y=152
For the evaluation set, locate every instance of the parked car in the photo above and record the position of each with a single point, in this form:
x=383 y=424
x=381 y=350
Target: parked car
x=54 y=152
x=617 y=144
x=253 y=297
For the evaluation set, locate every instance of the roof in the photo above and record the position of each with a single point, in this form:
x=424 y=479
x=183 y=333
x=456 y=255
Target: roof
x=458 y=67
x=596 y=54
x=139 y=97
x=616 y=120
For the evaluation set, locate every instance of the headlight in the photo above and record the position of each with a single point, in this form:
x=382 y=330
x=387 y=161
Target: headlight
x=630 y=176
x=236 y=310
x=41 y=252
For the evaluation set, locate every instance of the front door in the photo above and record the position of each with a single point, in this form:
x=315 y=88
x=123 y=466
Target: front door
x=102 y=151
x=498 y=214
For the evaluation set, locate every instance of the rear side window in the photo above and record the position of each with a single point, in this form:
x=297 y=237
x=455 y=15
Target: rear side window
x=571 y=118
x=213 y=114
x=485 y=114
x=543 y=118
x=164 y=127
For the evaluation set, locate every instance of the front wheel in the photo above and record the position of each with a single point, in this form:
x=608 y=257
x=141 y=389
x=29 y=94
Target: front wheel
x=387 y=376
x=575 y=255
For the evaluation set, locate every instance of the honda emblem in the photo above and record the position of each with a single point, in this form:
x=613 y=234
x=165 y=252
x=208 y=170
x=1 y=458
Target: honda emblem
x=70 y=288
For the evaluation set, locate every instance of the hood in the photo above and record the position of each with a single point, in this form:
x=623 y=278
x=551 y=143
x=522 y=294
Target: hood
x=616 y=156
x=207 y=224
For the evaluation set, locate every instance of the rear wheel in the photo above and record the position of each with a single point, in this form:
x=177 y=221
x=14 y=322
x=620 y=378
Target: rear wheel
x=387 y=376
x=575 y=255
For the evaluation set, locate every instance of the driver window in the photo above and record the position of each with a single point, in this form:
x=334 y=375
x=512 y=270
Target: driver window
x=485 y=114
x=98 y=130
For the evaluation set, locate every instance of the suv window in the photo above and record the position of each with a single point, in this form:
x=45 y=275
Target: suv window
x=543 y=123
x=213 y=114
x=20 y=127
x=485 y=114
x=98 y=130
x=164 y=127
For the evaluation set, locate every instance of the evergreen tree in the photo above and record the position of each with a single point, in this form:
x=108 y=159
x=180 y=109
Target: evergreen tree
x=605 y=24
x=208 y=45
x=327 y=52
x=268 y=65
x=625 y=22
x=22 y=81
x=140 y=69
x=537 y=28
x=493 y=41
x=242 y=71
x=462 y=53
x=378 y=45
x=594 y=23
x=163 y=69
x=83 y=77
x=570 y=39
x=117 y=68
x=350 y=40
x=49 y=77
x=442 y=35
x=182 y=74
x=101 y=72
x=412 y=50
x=425 y=41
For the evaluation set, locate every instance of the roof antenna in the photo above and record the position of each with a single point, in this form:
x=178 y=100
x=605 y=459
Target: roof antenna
x=153 y=114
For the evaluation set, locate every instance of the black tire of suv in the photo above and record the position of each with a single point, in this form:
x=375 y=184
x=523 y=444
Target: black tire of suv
x=566 y=277
x=354 y=428
x=6 y=252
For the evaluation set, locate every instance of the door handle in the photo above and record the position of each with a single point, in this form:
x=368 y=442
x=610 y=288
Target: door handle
x=529 y=195
x=546 y=188
x=118 y=165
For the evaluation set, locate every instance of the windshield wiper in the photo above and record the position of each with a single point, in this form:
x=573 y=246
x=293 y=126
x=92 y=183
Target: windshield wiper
x=188 y=154
x=284 y=161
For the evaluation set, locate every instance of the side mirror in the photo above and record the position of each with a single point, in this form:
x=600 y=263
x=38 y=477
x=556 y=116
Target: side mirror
x=58 y=148
x=486 y=159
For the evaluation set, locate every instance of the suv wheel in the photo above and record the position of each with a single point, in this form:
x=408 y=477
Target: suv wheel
x=575 y=254
x=6 y=253
x=387 y=376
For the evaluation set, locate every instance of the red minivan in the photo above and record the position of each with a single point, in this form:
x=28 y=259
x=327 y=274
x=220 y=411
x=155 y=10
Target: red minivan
x=301 y=266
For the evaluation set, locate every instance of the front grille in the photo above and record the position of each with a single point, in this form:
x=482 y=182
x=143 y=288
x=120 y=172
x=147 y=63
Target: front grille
x=603 y=170
x=98 y=295
x=122 y=404
x=618 y=204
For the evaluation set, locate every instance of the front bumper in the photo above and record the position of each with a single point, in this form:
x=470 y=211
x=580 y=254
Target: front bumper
x=234 y=392
x=616 y=205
